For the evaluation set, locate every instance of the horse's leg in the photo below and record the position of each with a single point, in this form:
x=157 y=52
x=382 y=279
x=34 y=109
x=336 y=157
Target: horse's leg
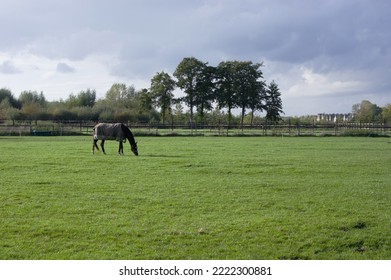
x=102 y=144
x=121 y=148
x=94 y=145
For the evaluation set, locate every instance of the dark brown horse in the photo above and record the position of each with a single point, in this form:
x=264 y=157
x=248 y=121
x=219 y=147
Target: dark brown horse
x=115 y=131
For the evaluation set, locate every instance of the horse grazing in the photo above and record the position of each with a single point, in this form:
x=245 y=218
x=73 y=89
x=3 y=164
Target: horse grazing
x=116 y=131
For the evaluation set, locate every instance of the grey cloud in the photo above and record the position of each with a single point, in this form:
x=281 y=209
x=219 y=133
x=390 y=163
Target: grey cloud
x=293 y=31
x=7 y=67
x=64 y=68
x=144 y=37
x=75 y=46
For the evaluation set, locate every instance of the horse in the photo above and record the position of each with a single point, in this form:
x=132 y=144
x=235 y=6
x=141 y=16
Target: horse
x=116 y=131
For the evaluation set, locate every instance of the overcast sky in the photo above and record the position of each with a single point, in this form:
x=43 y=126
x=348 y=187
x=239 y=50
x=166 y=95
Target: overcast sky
x=325 y=55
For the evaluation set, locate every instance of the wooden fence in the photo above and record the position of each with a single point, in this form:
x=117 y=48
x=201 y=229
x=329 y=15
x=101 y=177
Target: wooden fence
x=47 y=128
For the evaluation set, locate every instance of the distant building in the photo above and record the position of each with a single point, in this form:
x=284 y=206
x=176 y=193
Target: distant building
x=334 y=117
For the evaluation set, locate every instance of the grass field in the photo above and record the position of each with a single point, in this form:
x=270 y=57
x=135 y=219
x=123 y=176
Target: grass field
x=196 y=198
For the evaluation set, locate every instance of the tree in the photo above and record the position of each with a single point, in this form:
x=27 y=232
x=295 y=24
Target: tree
x=31 y=110
x=87 y=98
x=121 y=95
x=7 y=111
x=119 y=105
x=257 y=99
x=72 y=101
x=33 y=105
x=190 y=74
x=366 y=111
x=273 y=103
x=240 y=84
x=7 y=94
x=83 y=113
x=145 y=100
x=145 y=104
x=205 y=90
x=83 y=99
x=28 y=97
x=248 y=87
x=386 y=113
x=225 y=94
x=178 y=114
x=162 y=87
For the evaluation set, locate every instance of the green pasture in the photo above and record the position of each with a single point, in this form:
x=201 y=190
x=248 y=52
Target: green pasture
x=196 y=198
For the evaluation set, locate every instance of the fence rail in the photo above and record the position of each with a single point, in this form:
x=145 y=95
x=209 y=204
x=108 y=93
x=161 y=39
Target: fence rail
x=48 y=128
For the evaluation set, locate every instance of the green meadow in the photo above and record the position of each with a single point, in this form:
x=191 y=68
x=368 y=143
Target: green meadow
x=196 y=198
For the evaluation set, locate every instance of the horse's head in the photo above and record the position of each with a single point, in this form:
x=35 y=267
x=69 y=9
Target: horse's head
x=130 y=137
x=134 y=148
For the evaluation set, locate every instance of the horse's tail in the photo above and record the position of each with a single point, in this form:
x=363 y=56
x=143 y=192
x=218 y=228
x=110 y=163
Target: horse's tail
x=94 y=139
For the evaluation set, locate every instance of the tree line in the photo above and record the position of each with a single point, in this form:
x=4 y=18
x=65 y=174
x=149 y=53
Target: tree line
x=367 y=112
x=207 y=90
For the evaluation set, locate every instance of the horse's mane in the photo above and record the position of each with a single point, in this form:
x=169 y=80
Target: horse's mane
x=128 y=134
